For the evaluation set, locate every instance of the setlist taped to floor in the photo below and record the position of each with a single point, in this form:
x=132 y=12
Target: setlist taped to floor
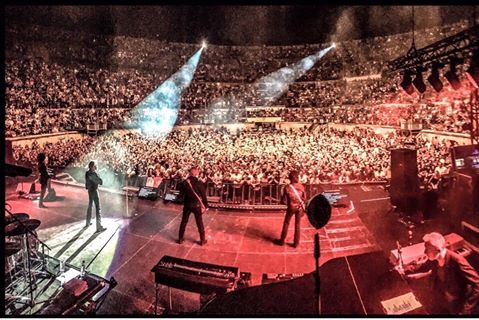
x=401 y=304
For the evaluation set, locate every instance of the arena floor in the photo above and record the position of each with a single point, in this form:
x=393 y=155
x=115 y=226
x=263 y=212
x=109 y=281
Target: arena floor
x=140 y=232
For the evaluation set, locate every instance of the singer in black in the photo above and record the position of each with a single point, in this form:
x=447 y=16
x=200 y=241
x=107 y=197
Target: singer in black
x=44 y=177
x=92 y=180
x=195 y=201
x=294 y=198
x=451 y=276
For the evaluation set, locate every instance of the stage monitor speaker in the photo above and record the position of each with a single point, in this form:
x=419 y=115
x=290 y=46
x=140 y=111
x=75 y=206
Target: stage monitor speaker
x=149 y=193
x=404 y=190
x=173 y=196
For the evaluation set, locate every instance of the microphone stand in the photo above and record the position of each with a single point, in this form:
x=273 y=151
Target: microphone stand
x=319 y=213
x=399 y=248
x=317 y=254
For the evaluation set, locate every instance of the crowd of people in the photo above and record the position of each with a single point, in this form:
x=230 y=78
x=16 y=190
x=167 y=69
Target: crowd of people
x=53 y=88
x=63 y=99
x=100 y=79
x=321 y=155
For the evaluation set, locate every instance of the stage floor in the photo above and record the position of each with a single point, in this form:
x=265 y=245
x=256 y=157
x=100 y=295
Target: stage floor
x=140 y=232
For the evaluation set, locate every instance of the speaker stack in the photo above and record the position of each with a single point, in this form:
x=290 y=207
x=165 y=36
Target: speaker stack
x=404 y=190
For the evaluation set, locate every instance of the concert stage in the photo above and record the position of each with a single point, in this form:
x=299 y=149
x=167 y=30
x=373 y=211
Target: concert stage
x=140 y=232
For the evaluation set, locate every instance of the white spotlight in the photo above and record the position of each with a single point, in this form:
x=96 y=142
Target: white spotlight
x=333 y=45
x=203 y=44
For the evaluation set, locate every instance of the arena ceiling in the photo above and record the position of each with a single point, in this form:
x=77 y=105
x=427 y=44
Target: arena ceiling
x=239 y=25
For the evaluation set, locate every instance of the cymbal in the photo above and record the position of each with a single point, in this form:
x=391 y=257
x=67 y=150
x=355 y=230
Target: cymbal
x=19 y=229
x=20 y=216
x=11 y=248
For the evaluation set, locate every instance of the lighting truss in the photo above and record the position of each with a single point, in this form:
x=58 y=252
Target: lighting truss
x=440 y=51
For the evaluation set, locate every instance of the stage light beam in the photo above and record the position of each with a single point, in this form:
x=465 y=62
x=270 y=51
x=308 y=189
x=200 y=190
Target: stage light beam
x=157 y=113
x=270 y=87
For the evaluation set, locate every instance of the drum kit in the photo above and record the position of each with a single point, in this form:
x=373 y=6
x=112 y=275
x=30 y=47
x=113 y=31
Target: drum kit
x=22 y=247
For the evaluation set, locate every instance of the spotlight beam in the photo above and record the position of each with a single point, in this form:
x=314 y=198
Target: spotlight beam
x=270 y=87
x=157 y=114
x=159 y=110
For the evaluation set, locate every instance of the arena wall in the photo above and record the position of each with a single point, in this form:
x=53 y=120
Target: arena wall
x=460 y=138
x=232 y=127
x=288 y=125
x=44 y=138
x=350 y=127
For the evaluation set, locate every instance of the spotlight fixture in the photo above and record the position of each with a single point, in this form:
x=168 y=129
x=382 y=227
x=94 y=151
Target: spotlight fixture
x=333 y=45
x=434 y=79
x=472 y=72
x=406 y=83
x=419 y=81
x=203 y=44
x=451 y=75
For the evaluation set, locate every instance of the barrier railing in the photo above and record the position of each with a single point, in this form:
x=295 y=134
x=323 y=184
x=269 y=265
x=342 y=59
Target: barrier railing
x=218 y=193
x=235 y=193
x=245 y=194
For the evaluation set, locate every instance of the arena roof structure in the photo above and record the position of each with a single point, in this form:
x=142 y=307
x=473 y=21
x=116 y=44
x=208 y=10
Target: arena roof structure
x=233 y=25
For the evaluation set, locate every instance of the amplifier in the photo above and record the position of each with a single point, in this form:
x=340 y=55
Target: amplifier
x=149 y=193
x=415 y=253
x=172 y=196
x=194 y=276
